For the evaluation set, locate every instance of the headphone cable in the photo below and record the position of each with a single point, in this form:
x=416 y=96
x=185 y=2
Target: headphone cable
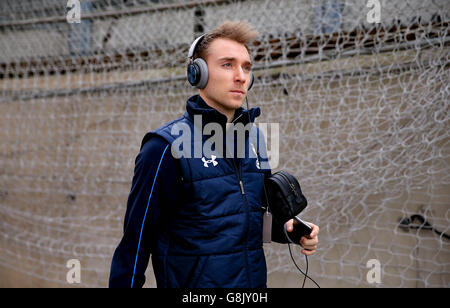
x=289 y=244
x=298 y=268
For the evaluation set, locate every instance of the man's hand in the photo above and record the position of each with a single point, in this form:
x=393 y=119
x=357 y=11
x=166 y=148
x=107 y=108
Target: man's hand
x=308 y=242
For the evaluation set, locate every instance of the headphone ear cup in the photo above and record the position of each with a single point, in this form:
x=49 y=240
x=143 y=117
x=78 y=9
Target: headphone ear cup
x=252 y=79
x=193 y=74
x=203 y=73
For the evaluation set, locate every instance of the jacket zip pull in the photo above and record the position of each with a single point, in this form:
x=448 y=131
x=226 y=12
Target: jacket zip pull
x=242 y=187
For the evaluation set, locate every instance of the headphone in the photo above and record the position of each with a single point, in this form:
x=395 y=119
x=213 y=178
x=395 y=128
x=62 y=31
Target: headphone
x=197 y=70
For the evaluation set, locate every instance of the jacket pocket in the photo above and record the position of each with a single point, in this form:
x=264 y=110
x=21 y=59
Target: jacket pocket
x=197 y=272
x=184 y=271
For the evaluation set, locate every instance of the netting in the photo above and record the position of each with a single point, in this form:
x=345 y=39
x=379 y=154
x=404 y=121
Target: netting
x=362 y=110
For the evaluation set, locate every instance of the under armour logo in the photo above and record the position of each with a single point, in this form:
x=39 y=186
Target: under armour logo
x=212 y=160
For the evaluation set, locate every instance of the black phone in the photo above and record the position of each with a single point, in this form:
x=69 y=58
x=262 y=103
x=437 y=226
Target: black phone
x=300 y=229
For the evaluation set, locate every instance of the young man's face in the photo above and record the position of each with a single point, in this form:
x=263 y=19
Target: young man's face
x=229 y=68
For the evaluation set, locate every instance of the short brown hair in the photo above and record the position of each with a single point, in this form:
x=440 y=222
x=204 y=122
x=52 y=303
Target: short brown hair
x=238 y=31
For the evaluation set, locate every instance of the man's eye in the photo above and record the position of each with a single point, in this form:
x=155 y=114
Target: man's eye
x=227 y=64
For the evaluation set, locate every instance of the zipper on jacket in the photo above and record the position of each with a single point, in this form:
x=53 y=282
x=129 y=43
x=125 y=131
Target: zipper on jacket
x=241 y=184
x=242 y=187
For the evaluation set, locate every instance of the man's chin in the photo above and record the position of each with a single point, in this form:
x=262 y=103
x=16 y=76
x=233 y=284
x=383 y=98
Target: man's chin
x=231 y=104
x=236 y=103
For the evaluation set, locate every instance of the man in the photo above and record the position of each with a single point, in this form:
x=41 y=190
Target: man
x=201 y=217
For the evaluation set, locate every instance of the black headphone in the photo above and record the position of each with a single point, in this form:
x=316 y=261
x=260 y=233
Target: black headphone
x=197 y=70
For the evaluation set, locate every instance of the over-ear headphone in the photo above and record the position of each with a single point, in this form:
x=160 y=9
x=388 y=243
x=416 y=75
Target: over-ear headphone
x=197 y=70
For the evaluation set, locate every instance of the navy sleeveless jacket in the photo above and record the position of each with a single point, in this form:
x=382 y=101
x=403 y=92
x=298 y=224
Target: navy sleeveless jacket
x=214 y=237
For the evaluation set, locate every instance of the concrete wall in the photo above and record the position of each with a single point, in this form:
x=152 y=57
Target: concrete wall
x=173 y=27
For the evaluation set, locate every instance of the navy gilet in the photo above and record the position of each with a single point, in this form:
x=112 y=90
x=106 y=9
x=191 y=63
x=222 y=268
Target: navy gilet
x=213 y=237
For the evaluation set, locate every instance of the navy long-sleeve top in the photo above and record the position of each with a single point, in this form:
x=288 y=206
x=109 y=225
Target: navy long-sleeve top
x=154 y=185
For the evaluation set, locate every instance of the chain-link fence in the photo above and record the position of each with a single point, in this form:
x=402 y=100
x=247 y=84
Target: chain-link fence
x=362 y=107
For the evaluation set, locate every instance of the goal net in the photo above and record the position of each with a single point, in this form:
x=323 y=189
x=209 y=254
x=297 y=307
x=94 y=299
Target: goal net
x=361 y=98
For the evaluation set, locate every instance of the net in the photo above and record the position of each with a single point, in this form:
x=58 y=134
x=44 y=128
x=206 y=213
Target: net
x=362 y=111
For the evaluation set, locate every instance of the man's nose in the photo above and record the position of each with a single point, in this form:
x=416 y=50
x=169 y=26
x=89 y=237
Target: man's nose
x=239 y=75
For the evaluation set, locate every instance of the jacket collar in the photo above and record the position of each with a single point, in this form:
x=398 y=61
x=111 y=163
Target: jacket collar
x=195 y=105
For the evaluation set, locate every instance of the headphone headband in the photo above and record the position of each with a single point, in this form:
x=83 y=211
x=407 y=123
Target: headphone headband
x=194 y=46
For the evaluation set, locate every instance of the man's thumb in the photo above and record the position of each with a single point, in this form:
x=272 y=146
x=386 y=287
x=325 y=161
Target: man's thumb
x=289 y=226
